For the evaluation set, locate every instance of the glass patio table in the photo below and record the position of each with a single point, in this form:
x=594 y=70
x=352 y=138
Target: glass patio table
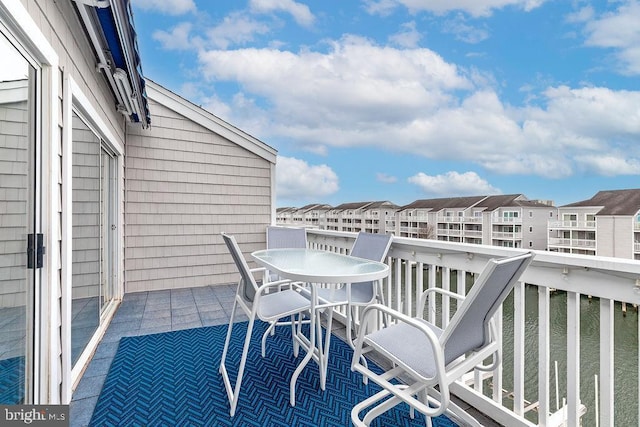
x=318 y=267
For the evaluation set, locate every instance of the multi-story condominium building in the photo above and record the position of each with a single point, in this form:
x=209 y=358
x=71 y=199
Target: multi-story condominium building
x=373 y=217
x=505 y=220
x=608 y=224
x=361 y=216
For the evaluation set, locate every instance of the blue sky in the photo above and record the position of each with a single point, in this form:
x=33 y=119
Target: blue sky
x=410 y=99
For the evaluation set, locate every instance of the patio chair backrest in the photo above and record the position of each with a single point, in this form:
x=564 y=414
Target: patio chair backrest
x=469 y=328
x=375 y=248
x=286 y=237
x=247 y=283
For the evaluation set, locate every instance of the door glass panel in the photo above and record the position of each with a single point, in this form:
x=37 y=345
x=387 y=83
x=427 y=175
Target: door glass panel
x=106 y=203
x=86 y=254
x=93 y=205
x=17 y=154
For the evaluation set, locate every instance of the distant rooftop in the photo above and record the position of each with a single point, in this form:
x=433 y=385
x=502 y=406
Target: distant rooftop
x=613 y=202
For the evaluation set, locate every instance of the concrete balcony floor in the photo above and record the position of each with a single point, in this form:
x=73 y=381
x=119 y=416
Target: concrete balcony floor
x=163 y=311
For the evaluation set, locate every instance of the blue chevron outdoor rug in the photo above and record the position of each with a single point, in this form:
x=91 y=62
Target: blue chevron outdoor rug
x=172 y=379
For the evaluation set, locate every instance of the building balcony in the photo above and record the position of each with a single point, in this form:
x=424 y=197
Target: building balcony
x=507 y=235
x=572 y=243
x=572 y=225
x=540 y=324
x=503 y=220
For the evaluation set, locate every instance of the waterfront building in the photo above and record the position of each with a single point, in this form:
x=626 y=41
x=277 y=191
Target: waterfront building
x=608 y=224
x=372 y=216
x=503 y=220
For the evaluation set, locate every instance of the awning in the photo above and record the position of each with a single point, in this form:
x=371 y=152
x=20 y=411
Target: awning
x=115 y=19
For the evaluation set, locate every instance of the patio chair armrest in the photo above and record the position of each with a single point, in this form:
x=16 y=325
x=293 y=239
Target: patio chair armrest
x=426 y=294
x=434 y=341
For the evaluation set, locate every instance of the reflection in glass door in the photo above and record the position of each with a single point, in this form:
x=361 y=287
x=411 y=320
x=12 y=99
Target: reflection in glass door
x=93 y=230
x=17 y=223
x=107 y=201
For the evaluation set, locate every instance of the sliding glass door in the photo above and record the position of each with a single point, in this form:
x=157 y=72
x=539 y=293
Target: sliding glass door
x=20 y=243
x=93 y=229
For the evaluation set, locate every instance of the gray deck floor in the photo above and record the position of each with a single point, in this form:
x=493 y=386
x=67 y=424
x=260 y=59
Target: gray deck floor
x=163 y=311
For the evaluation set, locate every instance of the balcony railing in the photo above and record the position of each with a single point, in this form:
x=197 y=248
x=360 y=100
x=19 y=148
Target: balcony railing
x=506 y=220
x=582 y=225
x=520 y=392
x=572 y=243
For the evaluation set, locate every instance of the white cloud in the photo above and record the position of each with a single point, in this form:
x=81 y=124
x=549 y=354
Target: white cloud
x=298 y=180
x=610 y=165
x=177 y=38
x=299 y=11
x=167 y=7
x=385 y=178
x=350 y=96
x=453 y=184
x=408 y=36
x=236 y=29
x=472 y=7
x=620 y=31
x=465 y=32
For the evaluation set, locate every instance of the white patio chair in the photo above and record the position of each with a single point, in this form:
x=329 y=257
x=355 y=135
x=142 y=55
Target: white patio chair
x=424 y=356
x=266 y=302
x=281 y=238
x=368 y=246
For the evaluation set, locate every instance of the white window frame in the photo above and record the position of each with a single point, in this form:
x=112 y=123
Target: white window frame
x=26 y=33
x=78 y=101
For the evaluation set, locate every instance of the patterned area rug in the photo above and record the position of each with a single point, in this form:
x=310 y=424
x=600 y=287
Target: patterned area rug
x=172 y=379
x=12 y=381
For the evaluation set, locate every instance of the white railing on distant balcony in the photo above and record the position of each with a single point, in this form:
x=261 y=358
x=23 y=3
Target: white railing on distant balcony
x=506 y=220
x=583 y=225
x=572 y=243
x=521 y=392
x=636 y=247
x=473 y=233
x=636 y=225
x=506 y=235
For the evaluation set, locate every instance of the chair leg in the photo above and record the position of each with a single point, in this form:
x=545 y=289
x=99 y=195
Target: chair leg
x=243 y=361
x=305 y=361
x=270 y=331
x=228 y=338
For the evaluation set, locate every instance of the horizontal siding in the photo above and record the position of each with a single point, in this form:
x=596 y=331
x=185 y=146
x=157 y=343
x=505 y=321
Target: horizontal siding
x=13 y=203
x=184 y=185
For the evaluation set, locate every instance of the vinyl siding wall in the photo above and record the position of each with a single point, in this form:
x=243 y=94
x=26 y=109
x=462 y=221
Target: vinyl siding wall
x=184 y=185
x=13 y=205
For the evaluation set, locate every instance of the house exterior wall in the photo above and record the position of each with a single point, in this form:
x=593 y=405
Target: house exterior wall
x=13 y=209
x=185 y=184
x=534 y=227
x=614 y=236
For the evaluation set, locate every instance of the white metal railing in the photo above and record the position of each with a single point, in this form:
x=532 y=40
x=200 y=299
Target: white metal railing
x=506 y=220
x=573 y=224
x=506 y=234
x=636 y=247
x=574 y=243
x=526 y=396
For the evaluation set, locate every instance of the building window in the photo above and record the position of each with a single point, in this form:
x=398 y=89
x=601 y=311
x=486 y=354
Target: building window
x=530 y=229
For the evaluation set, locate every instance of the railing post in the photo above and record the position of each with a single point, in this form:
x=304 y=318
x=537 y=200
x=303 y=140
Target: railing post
x=543 y=356
x=518 y=348
x=573 y=359
x=606 y=363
